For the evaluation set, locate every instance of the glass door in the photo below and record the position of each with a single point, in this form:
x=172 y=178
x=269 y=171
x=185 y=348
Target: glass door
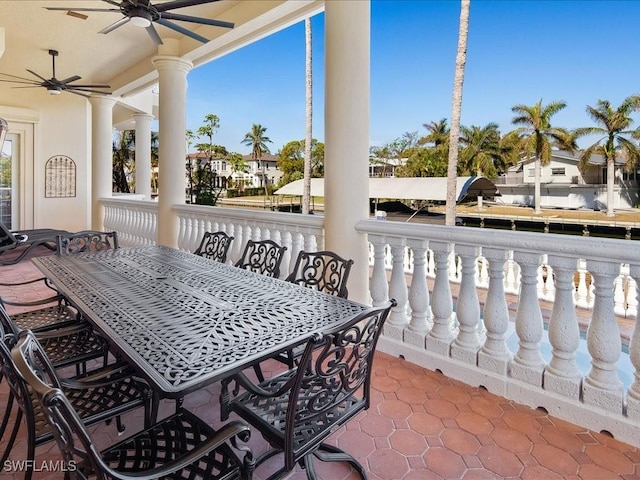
x=9 y=161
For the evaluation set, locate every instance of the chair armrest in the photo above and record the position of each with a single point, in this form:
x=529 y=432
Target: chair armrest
x=99 y=378
x=35 y=303
x=67 y=330
x=228 y=432
x=46 y=281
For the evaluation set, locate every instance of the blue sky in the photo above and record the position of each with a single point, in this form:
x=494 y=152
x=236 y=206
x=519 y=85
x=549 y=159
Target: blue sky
x=518 y=53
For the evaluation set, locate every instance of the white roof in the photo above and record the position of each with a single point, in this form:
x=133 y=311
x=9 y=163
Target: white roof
x=414 y=188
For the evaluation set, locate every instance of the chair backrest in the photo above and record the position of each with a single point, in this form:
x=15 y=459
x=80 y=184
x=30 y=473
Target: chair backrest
x=325 y=271
x=214 y=246
x=333 y=381
x=87 y=241
x=64 y=421
x=264 y=256
x=7 y=239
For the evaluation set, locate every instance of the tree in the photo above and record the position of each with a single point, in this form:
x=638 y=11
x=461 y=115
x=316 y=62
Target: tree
x=613 y=129
x=190 y=137
x=211 y=125
x=124 y=148
x=424 y=162
x=456 y=110
x=306 y=191
x=291 y=160
x=438 y=133
x=537 y=136
x=480 y=149
x=257 y=140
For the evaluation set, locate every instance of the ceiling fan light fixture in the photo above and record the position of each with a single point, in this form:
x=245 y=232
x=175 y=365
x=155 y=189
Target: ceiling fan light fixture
x=141 y=19
x=54 y=91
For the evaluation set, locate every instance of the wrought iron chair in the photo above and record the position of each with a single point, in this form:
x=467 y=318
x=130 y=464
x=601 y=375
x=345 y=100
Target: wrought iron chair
x=264 y=256
x=96 y=397
x=214 y=246
x=179 y=446
x=29 y=239
x=297 y=410
x=325 y=271
x=87 y=241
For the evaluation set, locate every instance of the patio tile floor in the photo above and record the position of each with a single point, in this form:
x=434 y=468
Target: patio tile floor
x=421 y=425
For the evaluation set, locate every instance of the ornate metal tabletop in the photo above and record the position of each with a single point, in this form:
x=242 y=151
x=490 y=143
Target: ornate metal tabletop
x=186 y=321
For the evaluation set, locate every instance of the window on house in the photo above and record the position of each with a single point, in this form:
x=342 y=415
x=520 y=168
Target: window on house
x=531 y=172
x=558 y=171
x=224 y=165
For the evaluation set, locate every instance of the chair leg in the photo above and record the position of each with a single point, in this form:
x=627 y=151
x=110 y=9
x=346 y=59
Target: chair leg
x=14 y=432
x=258 y=370
x=329 y=453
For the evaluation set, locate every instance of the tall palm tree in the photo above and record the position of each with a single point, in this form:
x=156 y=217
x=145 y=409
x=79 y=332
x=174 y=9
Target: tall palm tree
x=306 y=192
x=480 y=149
x=456 y=110
x=614 y=129
x=257 y=140
x=124 y=147
x=538 y=136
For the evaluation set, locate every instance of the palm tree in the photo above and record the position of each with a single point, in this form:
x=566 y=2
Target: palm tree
x=537 y=136
x=438 y=133
x=306 y=192
x=613 y=129
x=480 y=149
x=257 y=140
x=124 y=147
x=456 y=110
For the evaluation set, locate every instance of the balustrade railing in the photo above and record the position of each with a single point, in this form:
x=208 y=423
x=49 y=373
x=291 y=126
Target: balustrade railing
x=531 y=316
x=471 y=339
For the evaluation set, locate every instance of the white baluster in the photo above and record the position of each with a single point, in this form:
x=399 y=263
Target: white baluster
x=495 y=355
x=562 y=375
x=602 y=386
x=418 y=295
x=632 y=299
x=378 y=285
x=397 y=289
x=528 y=365
x=441 y=334
x=465 y=347
x=633 y=394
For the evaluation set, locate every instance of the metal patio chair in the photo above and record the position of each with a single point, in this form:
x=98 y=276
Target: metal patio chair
x=21 y=242
x=97 y=397
x=87 y=241
x=179 y=446
x=214 y=246
x=297 y=410
x=264 y=256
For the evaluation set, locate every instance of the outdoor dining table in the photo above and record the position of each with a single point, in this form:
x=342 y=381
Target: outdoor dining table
x=184 y=321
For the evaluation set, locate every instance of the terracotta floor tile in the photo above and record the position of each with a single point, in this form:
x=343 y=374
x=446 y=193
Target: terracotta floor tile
x=539 y=473
x=425 y=423
x=522 y=422
x=555 y=459
x=561 y=438
x=610 y=459
x=597 y=472
x=474 y=423
x=512 y=440
x=460 y=441
x=408 y=442
x=388 y=464
x=445 y=462
x=500 y=461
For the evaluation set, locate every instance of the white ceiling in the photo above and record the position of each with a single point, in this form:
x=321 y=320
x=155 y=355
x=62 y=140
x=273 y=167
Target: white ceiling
x=122 y=58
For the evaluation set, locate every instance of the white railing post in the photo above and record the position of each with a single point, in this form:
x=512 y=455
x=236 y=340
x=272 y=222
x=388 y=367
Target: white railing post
x=633 y=394
x=418 y=295
x=527 y=364
x=602 y=386
x=441 y=335
x=398 y=288
x=378 y=286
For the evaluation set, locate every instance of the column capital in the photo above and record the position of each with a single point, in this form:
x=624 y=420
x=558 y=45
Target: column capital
x=170 y=62
x=142 y=117
x=102 y=101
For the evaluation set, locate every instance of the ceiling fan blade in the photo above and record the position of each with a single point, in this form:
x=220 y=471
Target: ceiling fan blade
x=180 y=4
x=34 y=84
x=87 y=86
x=77 y=93
x=70 y=79
x=31 y=80
x=90 y=90
x=153 y=33
x=203 y=21
x=35 y=74
x=30 y=86
x=74 y=9
x=115 y=25
x=182 y=30
x=112 y=2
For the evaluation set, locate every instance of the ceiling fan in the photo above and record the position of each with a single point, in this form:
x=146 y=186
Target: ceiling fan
x=53 y=85
x=142 y=13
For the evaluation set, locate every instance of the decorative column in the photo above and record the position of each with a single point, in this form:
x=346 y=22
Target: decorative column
x=528 y=365
x=418 y=295
x=346 y=178
x=602 y=386
x=101 y=156
x=441 y=334
x=172 y=79
x=143 y=154
x=466 y=345
x=378 y=284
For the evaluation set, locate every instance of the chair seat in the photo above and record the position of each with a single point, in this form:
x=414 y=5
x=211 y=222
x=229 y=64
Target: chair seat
x=41 y=318
x=271 y=412
x=169 y=440
x=81 y=345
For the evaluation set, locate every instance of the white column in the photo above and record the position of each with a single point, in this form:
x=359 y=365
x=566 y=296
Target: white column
x=346 y=185
x=101 y=156
x=172 y=76
x=143 y=154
